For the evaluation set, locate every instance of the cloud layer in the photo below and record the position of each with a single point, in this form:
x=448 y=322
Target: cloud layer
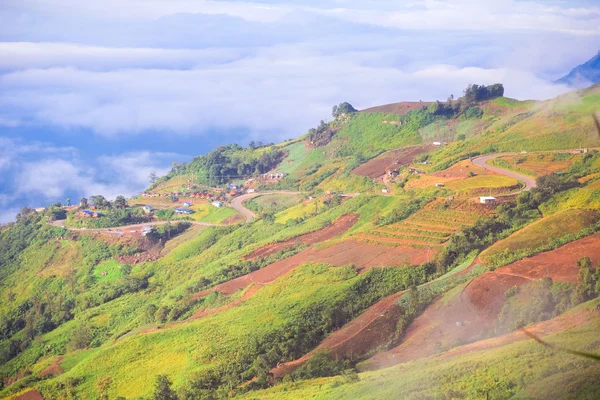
x=133 y=74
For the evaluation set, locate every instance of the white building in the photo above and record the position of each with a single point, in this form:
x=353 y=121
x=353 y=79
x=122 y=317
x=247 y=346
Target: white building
x=487 y=199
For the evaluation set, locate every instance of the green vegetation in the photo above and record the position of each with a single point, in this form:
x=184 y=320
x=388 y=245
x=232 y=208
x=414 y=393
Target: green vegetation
x=369 y=135
x=109 y=218
x=545 y=234
x=137 y=317
x=228 y=162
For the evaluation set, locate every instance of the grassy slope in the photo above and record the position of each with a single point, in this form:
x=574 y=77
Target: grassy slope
x=544 y=232
x=215 y=249
x=523 y=369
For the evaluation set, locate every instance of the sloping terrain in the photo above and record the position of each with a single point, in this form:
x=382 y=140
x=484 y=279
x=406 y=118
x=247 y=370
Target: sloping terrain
x=468 y=315
x=397 y=108
x=390 y=160
x=349 y=273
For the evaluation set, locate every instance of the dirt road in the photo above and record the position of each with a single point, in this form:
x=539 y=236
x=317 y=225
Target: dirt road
x=238 y=203
x=482 y=162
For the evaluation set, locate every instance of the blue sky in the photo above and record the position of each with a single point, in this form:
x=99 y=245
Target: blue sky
x=95 y=95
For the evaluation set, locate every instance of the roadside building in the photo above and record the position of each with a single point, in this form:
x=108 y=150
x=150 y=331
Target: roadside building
x=487 y=200
x=148 y=209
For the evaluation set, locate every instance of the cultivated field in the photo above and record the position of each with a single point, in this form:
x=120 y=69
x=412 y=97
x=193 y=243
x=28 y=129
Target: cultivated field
x=428 y=228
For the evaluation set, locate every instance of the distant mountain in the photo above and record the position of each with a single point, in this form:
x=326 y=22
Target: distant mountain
x=583 y=75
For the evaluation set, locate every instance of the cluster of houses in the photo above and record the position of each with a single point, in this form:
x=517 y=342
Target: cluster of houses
x=274 y=175
x=194 y=195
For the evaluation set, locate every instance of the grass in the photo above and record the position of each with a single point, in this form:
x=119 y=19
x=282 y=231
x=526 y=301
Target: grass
x=584 y=198
x=536 y=164
x=182 y=350
x=366 y=133
x=523 y=369
x=542 y=233
x=206 y=212
x=274 y=201
x=482 y=182
x=108 y=271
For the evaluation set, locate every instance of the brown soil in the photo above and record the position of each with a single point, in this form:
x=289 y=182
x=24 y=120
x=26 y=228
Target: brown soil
x=398 y=108
x=371 y=329
x=361 y=255
x=234 y=219
x=391 y=159
x=53 y=369
x=30 y=395
x=469 y=316
x=462 y=170
x=340 y=226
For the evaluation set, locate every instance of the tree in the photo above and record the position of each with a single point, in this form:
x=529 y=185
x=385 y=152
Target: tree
x=344 y=108
x=99 y=201
x=153 y=177
x=81 y=337
x=83 y=203
x=162 y=389
x=120 y=202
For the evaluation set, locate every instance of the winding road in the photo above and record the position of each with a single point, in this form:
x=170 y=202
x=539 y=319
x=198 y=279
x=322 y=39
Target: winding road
x=482 y=162
x=237 y=204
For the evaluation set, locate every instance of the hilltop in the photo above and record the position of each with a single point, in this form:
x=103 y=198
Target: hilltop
x=584 y=74
x=392 y=252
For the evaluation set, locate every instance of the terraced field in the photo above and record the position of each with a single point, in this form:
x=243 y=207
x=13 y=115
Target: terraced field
x=430 y=227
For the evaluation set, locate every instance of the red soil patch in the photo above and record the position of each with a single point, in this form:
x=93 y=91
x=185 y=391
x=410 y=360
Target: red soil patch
x=340 y=226
x=53 y=369
x=391 y=159
x=398 y=108
x=30 y=395
x=369 y=330
x=468 y=317
x=361 y=255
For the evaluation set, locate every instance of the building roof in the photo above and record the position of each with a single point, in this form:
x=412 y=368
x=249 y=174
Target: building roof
x=487 y=198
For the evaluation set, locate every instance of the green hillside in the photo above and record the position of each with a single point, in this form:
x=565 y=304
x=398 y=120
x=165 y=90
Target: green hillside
x=341 y=285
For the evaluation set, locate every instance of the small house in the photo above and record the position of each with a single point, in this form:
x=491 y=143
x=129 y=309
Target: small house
x=146 y=230
x=186 y=204
x=437 y=143
x=148 y=209
x=217 y=204
x=439 y=185
x=384 y=190
x=90 y=214
x=487 y=200
x=183 y=211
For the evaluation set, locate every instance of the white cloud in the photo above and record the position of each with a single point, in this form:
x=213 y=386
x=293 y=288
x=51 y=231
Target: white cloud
x=282 y=91
x=42 y=173
x=22 y=55
x=8 y=215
